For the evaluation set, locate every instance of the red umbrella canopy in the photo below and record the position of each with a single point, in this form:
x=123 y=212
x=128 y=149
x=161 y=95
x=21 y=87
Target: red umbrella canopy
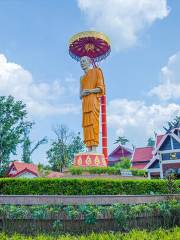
x=95 y=45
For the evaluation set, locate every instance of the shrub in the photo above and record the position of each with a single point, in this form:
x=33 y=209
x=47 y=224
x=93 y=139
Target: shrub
x=76 y=170
x=122 y=213
x=125 y=163
x=138 y=172
x=38 y=186
x=104 y=170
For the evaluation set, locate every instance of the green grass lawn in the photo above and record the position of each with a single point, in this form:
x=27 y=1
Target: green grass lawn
x=172 y=234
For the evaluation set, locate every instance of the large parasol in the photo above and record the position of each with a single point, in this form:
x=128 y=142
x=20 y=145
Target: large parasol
x=95 y=45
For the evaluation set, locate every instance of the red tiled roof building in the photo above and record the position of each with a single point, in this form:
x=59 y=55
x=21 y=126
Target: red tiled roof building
x=141 y=157
x=21 y=169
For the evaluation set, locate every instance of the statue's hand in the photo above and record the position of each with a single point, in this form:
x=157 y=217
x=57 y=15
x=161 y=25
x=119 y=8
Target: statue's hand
x=86 y=92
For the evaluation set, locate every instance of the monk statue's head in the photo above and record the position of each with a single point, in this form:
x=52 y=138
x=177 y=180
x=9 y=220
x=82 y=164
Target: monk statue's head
x=85 y=63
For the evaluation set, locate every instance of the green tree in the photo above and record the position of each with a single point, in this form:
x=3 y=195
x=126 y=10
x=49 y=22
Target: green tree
x=76 y=146
x=43 y=170
x=151 y=142
x=63 y=148
x=12 y=124
x=122 y=141
x=124 y=164
x=28 y=149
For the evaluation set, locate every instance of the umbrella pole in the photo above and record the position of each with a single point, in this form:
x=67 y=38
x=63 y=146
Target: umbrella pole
x=104 y=128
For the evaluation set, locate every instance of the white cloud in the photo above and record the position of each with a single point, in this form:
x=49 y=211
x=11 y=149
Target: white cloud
x=40 y=98
x=137 y=120
x=169 y=88
x=123 y=20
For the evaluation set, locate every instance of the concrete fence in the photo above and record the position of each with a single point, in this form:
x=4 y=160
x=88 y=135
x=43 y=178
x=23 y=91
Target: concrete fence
x=80 y=199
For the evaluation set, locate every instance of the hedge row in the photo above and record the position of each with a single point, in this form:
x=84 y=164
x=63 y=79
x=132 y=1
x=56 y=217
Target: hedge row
x=10 y=186
x=172 y=234
x=105 y=170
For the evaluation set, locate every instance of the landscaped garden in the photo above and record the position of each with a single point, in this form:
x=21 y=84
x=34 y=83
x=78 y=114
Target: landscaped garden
x=83 y=218
x=87 y=202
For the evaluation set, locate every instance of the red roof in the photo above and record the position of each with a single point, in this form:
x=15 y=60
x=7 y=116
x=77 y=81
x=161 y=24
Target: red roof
x=158 y=139
x=142 y=154
x=21 y=167
x=120 y=152
x=139 y=166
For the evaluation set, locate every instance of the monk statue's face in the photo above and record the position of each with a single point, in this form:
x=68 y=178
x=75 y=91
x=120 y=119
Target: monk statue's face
x=85 y=63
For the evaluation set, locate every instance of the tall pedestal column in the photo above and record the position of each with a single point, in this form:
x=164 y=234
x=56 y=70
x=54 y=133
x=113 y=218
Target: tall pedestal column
x=104 y=128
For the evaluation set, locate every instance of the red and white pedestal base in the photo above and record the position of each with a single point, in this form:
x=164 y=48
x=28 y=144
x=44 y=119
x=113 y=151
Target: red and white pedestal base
x=89 y=159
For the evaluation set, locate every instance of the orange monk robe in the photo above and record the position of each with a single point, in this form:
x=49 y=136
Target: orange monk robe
x=91 y=106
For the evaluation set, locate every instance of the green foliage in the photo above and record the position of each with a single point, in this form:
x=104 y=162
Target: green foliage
x=75 y=146
x=105 y=170
x=170 y=234
x=123 y=214
x=39 y=212
x=71 y=212
x=125 y=163
x=63 y=148
x=76 y=170
x=12 y=123
x=13 y=186
x=94 y=170
x=90 y=213
x=151 y=142
x=27 y=143
x=57 y=226
x=14 y=212
x=122 y=140
x=139 y=172
x=43 y=170
x=58 y=156
x=171 y=184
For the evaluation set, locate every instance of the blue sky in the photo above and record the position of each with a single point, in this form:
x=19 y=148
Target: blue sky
x=142 y=73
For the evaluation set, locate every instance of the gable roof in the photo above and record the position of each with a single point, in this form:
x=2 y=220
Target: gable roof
x=155 y=158
x=158 y=139
x=23 y=167
x=142 y=154
x=117 y=153
x=163 y=138
x=176 y=129
x=139 y=166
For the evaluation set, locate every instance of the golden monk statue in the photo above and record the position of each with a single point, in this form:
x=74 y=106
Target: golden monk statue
x=91 y=89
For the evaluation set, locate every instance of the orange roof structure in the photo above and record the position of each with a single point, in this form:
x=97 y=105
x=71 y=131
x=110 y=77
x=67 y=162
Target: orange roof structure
x=18 y=168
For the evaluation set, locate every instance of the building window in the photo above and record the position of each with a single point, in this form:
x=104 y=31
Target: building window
x=172 y=156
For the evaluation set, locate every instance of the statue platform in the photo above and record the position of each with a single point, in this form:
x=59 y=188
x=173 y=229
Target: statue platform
x=89 y=159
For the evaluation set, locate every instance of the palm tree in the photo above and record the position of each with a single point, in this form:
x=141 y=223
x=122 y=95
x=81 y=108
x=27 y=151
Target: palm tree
x=150 y=142
x=122 y=141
